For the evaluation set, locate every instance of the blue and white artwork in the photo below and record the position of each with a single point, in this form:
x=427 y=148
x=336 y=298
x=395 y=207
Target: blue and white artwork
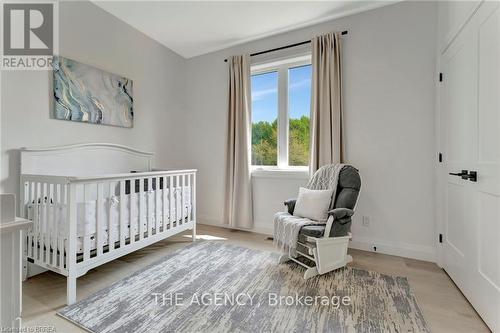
x=87 y=94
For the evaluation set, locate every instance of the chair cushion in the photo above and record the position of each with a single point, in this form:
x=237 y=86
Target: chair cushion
x=348 y=187
x=313 y=204
x=339 y=228
x=312 y=230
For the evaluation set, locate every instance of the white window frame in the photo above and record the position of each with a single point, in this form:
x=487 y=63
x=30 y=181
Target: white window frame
x=281 y=66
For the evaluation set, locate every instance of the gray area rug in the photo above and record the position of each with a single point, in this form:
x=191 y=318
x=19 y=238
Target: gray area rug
x=215 y=287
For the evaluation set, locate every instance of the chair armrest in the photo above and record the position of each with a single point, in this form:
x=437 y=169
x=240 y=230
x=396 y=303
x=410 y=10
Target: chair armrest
x=339 y=222
x=290 y=204
x=340 y=213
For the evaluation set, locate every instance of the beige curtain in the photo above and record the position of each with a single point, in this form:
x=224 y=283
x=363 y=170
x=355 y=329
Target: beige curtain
x=326 y=102
x=238 y=210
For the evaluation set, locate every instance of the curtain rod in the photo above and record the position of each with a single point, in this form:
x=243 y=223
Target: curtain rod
x=286 y=46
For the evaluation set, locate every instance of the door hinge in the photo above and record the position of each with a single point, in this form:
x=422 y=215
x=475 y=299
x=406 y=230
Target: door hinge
x=440 y=238
x=440 y=157
x=440 y=77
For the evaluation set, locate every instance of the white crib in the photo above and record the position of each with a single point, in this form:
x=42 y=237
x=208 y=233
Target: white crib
x=88 y=208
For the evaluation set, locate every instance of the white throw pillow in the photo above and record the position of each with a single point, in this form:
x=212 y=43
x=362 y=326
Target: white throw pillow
x=313 y=204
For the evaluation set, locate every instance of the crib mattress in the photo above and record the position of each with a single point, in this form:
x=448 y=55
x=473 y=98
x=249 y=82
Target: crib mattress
x=110 y=208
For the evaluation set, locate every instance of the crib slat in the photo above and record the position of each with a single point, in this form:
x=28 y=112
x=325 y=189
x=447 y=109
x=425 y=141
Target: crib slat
x=151 y=206
x=30 y=216
x=157 y=205
x=71 y=221
x=52 y=235
x=123 y=227
x=193 y=200
x=141 y=208
x=34 y=196
x=46 y=230
x=148 y=210
x=86 y=234
x=164 y=206
x=190 y=201
x=111 y=229
x=25 y=192
x=171 y=201
x=55 y=229
x=132 y=203
x=53 y=224
x=100 y=222
x=45 y=225
x=30 y=231
x=62 y=202
x=183 y=183
x=41 y=223
x=177 y=215
x=36 y=220
x=39 y=236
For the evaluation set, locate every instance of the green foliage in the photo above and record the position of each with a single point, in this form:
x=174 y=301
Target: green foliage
x=298 y=142
x=264 y=142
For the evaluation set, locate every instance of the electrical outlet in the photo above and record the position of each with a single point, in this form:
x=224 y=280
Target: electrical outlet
x=366 y=221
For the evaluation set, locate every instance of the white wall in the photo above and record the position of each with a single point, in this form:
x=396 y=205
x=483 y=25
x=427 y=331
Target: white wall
x=92 y=36
x=268 y=193
x=451 y=17
x=389 y=77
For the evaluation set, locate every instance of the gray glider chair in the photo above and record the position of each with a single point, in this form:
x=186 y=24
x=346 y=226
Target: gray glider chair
x=322 y=248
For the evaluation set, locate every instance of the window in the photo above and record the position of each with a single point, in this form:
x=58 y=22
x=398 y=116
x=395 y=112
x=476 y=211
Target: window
x=265 y=118
x=281 y=97
x=299 y=109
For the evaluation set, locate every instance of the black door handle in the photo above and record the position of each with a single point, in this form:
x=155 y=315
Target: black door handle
x=472 y=176
x=463 y=174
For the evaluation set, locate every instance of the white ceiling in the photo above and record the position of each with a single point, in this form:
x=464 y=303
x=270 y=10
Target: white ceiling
x=192 y=28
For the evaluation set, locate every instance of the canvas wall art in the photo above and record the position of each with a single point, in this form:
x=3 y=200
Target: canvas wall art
x=87 y=94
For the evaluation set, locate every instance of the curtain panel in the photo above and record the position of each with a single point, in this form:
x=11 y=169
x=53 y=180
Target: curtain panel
x=326 y=145
x=238 y=201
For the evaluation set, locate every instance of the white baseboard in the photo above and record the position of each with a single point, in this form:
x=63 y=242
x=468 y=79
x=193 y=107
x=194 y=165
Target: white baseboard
x=401 y=249
x=216 y=223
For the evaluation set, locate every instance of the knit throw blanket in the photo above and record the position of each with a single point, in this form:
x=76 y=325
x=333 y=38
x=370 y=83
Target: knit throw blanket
x=287 y=227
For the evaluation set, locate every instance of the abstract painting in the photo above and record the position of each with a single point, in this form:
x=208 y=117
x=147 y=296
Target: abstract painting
x=87 y=94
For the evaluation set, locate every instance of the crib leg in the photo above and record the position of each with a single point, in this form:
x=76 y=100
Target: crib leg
x=193 y=235
x=70 y=290
x=25 y=269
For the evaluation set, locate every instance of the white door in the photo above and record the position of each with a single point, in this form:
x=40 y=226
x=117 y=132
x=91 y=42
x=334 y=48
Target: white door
x=470 y=132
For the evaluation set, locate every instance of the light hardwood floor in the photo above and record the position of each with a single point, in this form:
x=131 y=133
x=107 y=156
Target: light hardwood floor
x=444 y=307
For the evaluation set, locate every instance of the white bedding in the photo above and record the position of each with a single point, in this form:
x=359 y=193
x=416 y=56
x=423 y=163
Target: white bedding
x=110 y=207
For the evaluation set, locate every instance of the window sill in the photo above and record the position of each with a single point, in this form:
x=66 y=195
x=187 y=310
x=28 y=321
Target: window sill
x=298 y=173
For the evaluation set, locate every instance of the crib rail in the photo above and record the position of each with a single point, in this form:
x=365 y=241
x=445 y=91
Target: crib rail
x=39 y=197
x=82 y=222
